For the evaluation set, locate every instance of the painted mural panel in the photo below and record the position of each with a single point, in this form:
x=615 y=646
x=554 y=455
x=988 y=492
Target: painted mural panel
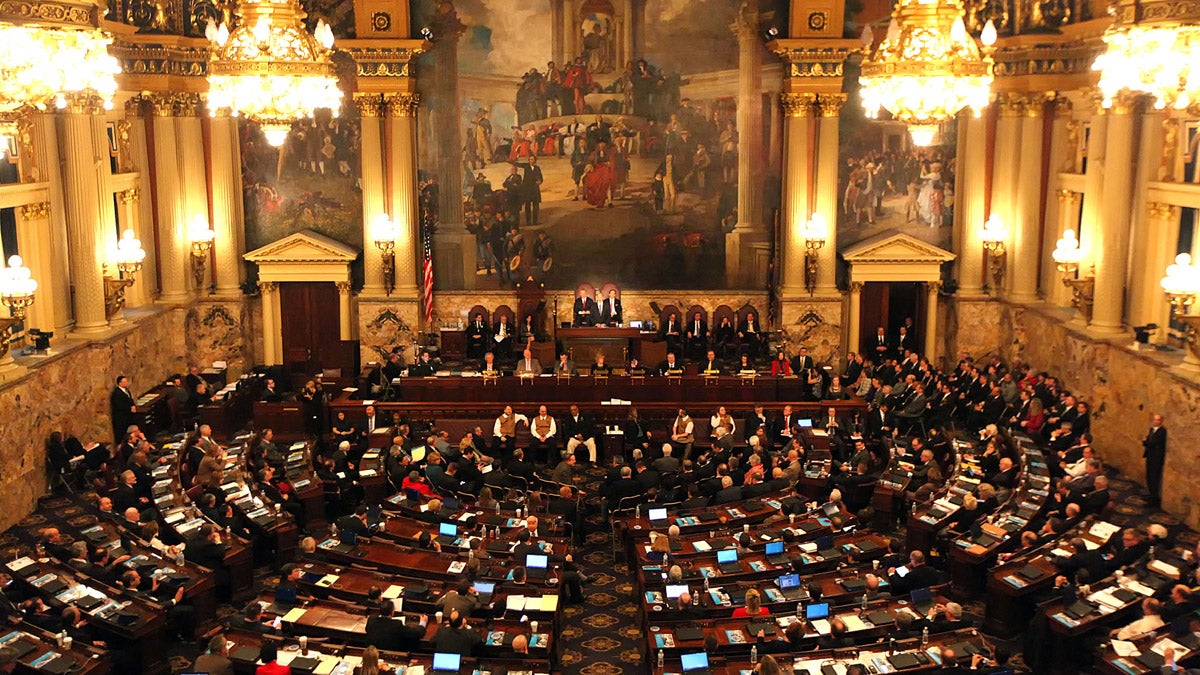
x=597 y=139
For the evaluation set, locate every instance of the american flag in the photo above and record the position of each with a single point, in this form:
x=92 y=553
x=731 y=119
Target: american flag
x=428 y=274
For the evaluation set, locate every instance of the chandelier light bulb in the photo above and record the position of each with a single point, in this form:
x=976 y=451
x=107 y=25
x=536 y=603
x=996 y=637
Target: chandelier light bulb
x=868 y=36
x=988 y=37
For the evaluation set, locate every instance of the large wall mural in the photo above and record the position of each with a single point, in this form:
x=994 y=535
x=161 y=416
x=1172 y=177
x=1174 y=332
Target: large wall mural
x=598 y=142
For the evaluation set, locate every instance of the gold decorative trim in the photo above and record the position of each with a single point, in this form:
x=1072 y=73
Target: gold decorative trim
x=1068 y=197
x=798 y=105
x=83 y=14
x=124 y=131
x=35 y=211
x=402 y=105
x=1123 y=104
x=28 y=166
x=811 y=62
x=79 y=103
x=1062 y=106
x=267 y=286
x=1161 y=211
x=130 y=196
x=856 y=286
x=369 y=105
x=343 y=287
x=1170 y=149
x=831 y=104
x=1010 y=104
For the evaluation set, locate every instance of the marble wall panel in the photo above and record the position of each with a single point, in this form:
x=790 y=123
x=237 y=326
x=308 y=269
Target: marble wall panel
x=386 y=323
x=220 y=330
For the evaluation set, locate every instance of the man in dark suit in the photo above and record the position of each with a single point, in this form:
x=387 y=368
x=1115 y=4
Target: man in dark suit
x=1154 y=450
x=903 y=341
x=728 y=492
x=802 y=363
x=879 y=422
x=610 y=311
x=697 y=336
x=123 y=407
x=624 y=487
x=672 y=366
x=386 y=632
x=646 y=478
x=670 y=331
x=710 y=365
x=750 y=335
x=456 y=637
x=502 y=337
x=584 y=310
x=478 y=334
x=919 y=575
x=579 y=431
x=356 y=522
x=754 y=420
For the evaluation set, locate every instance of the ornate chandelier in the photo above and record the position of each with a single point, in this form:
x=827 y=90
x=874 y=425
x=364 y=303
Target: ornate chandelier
x=270 y=69
x=927 y=68
x=50 y=53
x=1152 y=48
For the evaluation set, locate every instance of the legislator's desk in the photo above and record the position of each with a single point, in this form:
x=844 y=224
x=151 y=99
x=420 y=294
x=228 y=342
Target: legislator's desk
x=618 y=344
x=43 y=651
x=229 y=414
x=1148 y=657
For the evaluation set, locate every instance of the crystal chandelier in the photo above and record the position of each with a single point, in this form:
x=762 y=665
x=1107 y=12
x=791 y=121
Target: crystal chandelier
x=1151 y=51
x=46 y=58
x=927 y=68
x=270 y=69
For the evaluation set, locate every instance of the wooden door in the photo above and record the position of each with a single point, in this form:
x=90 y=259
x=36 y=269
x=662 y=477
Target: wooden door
x=873 y=312
x=311 y=335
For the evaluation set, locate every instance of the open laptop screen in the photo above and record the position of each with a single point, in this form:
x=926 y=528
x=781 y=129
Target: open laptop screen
x=697 y=661
x=727 y=555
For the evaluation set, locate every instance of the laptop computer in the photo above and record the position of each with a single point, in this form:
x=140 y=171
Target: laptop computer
x=694 y=664
x=535 y=566
x=446 y=663
x=285 y=599
x=675 y=590
x=790 y=588
x=825 y=547
x=922 y=599
x=1079 y=609
x=485 y=589
x=1032 y=572
x=805 y=423
x=727 y=561
x=658 y=517
x=775 y=554
x=447 y=533
x=347 y=540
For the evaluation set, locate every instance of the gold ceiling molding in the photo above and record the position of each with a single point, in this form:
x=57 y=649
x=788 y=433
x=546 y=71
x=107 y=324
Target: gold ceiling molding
x=50 y=12
x=820 y=61
x=382 y=59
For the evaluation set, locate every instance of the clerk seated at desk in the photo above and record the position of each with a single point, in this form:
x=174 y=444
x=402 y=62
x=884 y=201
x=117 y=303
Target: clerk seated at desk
x=600 y=367
x=635 y=369
x=710 y=365
x=502 y=336
x=584 y=310
x=489 y=365
x=564 y=365
x=672 y=366
x=610 y=310
x=478 y=334
x=528 y=366
x=424 y=367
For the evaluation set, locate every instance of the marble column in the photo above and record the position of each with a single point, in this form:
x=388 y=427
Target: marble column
x=826 y=193
x=1059 y=150
x=1057 y=292
x=931 y=319
x=81 y=172
x=402 y=160
x=374 y=187
x=798 y=110
x=54 y=289
x=174 y=266
x=226 y=192
x=571 y=29
x=853 y=337
x=1026 y=226
x=454 y=252
x=1093 y=189
x=271 y=326
x=192 y=171
x=1005 y=174
x=749 y=119
x=140 y=159
x=37 y=250
x=128 y=218
x=345 y=326
x=1162 y=238
x=556 y=32
x=1154 y=241
x=969 y=208
x=1112 y=240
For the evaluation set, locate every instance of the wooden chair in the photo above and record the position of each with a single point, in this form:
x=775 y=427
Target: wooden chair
x=755 y=350
x=726 y=348
x=673 y=344
x=695 y=348
x=506 y=311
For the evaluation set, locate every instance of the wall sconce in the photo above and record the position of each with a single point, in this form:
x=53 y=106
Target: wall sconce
x=1067 y=257
x=994 y=236
x=130 y=256
x=17 y=287
x=201 y=236
x=385 y=240
x=1181 y=286
x=815 y=234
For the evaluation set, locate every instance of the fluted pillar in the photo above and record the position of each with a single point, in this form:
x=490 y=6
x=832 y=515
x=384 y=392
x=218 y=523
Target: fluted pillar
x=1060 y=149
x=1093 y=189
x=853 y=337
x=271 y=326
x=1154 y=240
x=345 y=328
x=82 y=171
x=1026 y=225
x=969 y=204
x=374 y=187
x=826 y=193
x=749 y=119
x=798 y=110
x=455 y=252
x=37 y=250
x=1005 y=172
x=1162 y=238
x=192 y=171
x=556 y=32
x=931 y=319
x=54 y=289
x=129 y=218
x=226 y=192
x=1068 y=209
x=402 y=160
x=1112 y=240
x=173 y=264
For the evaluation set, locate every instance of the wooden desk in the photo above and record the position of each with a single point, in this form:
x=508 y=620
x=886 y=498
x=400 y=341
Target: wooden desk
x=86 y=659
x=617 y=344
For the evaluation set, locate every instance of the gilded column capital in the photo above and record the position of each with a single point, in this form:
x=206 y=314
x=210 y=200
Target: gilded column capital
x=1068 y=197
x=130 y=196
x=1123 y=103
x=343 y=287
x=1161 y=211
x=831 y=104
x=160 y=104
x=401 y=105
x=1010 y=104
x=80 y=103
x=797 y=105
x=1035 y=104
x=369 y=105
x=933 y=286
x=188 y=105
x=35 y=211
x=856 y=287
x=267 y=286
x=1061 y=106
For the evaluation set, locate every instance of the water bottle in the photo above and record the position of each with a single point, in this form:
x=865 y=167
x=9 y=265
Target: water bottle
x=179 y=558
x=660 y=658
x=864 y=602
x=1152 y=553
x=892 y=645
x=332 y=529
x=706 y=583
x=637 y=511
x=925 y=636
x=60 y=637
x=754 y=654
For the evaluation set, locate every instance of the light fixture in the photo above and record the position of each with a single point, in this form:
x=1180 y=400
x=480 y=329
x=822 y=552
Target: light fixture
x=927 y=68
x=1067 y=256
x=1181 y=284
x=128 y=263
x=58 y=51
x=815 y=234
x=385 y=233
x=17 y=288
x=270 y=69
x=1152 y=48
x=994 y=236
x=201 y=236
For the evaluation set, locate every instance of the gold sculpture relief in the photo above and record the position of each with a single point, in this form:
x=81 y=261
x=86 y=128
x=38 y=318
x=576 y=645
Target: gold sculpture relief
x=47 y=12
x=1162 y=211
x=130 y=196
x=124 y=131
x=856 y=286
x=35 y=211
x=797 y=105
x=27 y=160
x=402 y=105
x=1170 y=149
x=83 y=104
x=1071 y=160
